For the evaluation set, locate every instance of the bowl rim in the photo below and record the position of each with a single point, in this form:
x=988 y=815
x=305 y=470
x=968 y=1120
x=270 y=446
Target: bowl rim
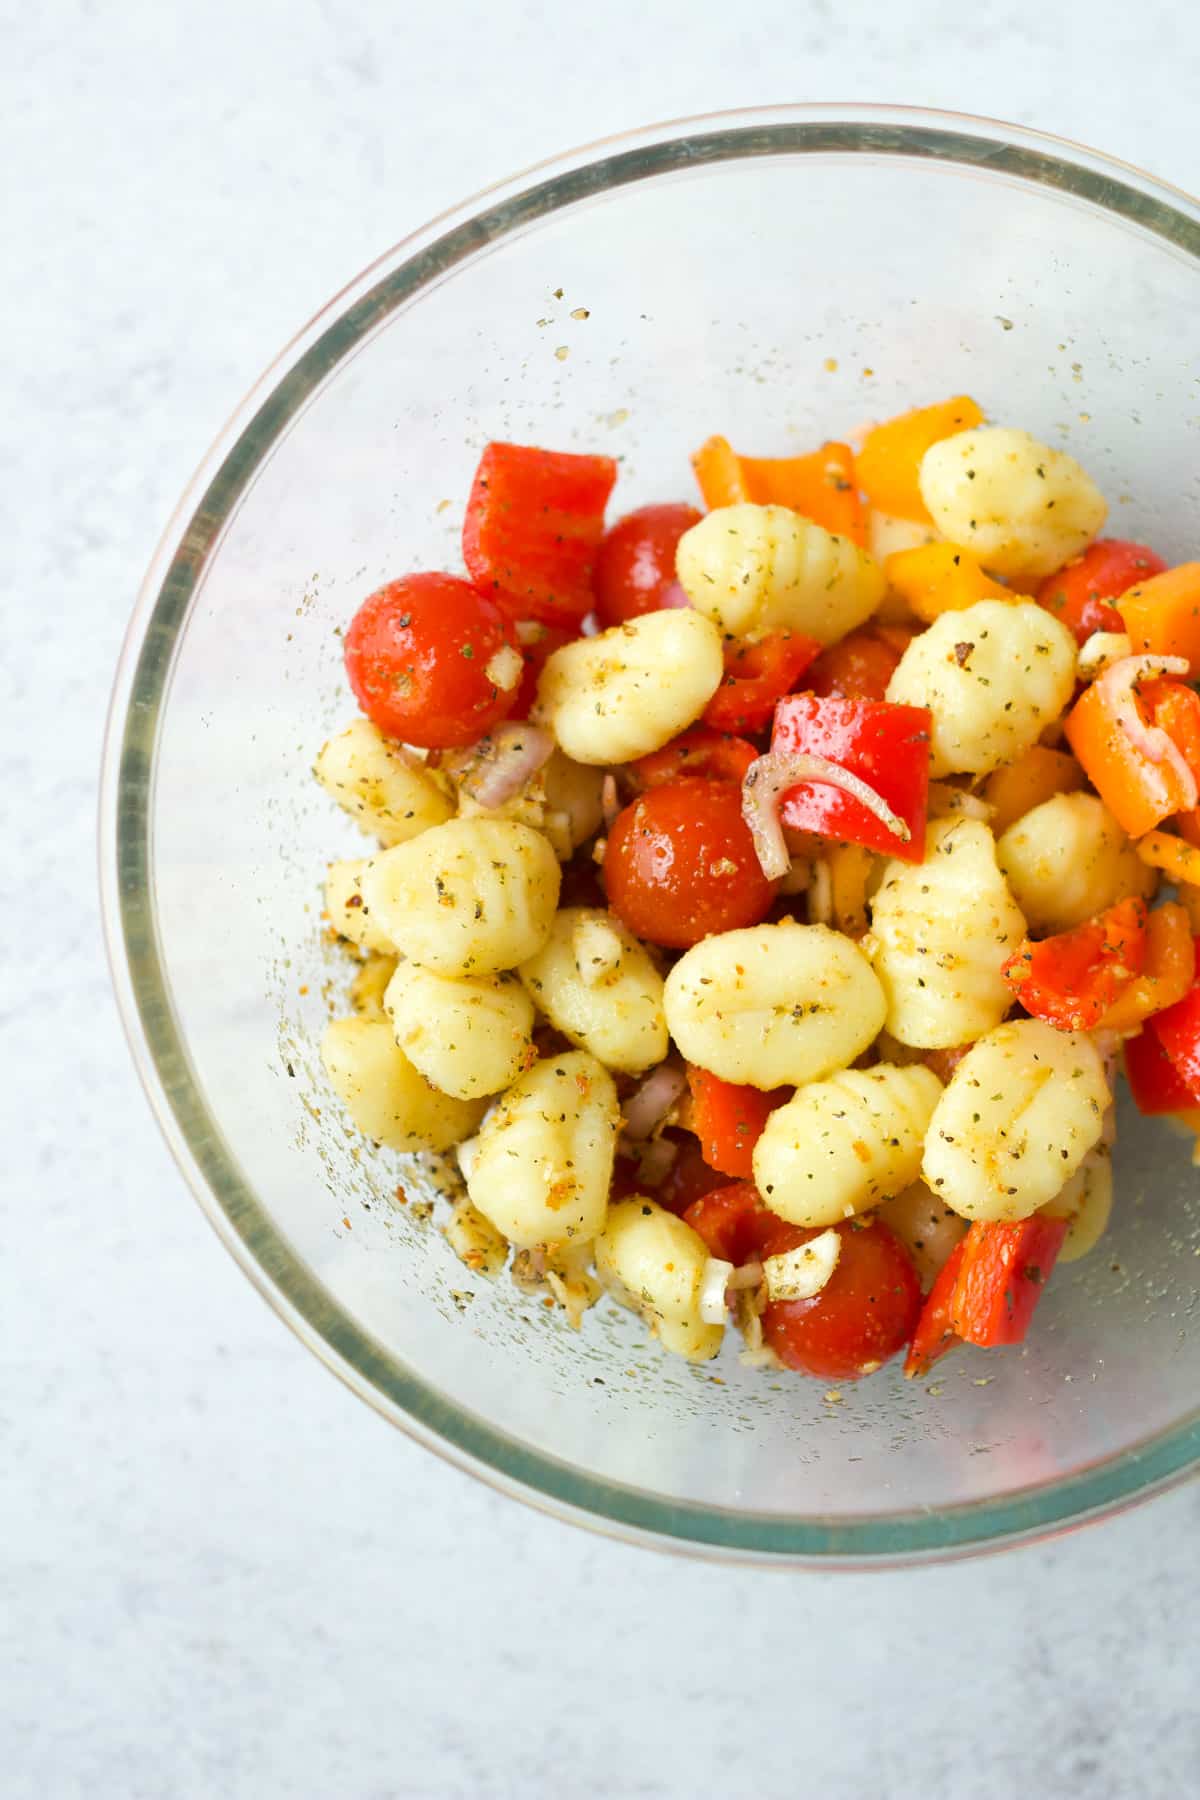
x=143 y=992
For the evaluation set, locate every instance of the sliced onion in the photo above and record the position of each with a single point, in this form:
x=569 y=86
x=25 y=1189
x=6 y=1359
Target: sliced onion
x=655 y=1158
x=1100 y=651
x=610 y=800
x=748 y=1276
x=771 y=776
x=674 y=595
x=652 y=1101
x=505 y=668
x=713 y=1283
x=501 y=764
x=1117 y=687
x=800 y=1274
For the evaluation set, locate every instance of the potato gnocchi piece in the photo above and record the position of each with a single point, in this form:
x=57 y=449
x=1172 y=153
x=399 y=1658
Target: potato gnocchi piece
x=1020 y=1113
x=841 y=1146
x=1020 y=507
x=385 y=1095
x=348 y=909
x=597 y=984
x=1067 y=860
x=615 y=697
x=994 y=676
x=940 y=933
x=475 y=1240
x=574 y=803
x=926 y=1226
x=369 y=986
x=752 y=569
x=468 y=1035
x=384 y=787
x=658 y=1265
x=469 y=897
x=1086 y=1204
x=773 y=1004
x=542 y=1163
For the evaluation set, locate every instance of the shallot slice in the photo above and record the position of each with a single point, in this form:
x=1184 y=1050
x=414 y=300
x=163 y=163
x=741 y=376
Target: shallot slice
x=502 y=763
x=1117 y=686
x=652 y=1101
x=770 y=777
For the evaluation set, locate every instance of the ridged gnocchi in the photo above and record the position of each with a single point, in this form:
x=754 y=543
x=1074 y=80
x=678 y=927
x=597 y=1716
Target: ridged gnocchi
x=618 y=696
x=1019 y=1114
x=469 y=897
x=1020 y=507
x=574 y=804
x=599 y=986
x=842 y=1145
x=542 y=1163
x=1085 y=1203
x=773 y=1005
x=993 y=676
x=752 y=569
x=925 y=1225
x=370 y=985
x=348 y=910
x=658 y=1265
x=383 y=786
x=1067 y=860
x=468 y=1035
x=385 y=1095
x=940 y=934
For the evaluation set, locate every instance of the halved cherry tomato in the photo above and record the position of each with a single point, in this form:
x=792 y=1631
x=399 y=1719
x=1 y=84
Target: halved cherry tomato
x=432 y=661
x=865 y=1312
x=1079 y=592
x=756 y=676
x=886 y=746
x=1154 y=1081
x=934 y=1334
x=700 y=751
x=858 y=667
x=689 y=1177
x=680 y=863
x=533 y=526
x=635 y=566
x=733 y=1221
x=1071 y=979
x=1003 y=1272
x=728 y=1119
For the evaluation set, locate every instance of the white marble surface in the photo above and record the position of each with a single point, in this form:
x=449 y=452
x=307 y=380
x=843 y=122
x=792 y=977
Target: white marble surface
x=219 y=1574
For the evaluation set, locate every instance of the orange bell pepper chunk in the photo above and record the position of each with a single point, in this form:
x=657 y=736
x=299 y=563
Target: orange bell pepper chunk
x=938 y=578
x=890 y=459
x=1016 y=788
x=1162 y=615
x=1138 y=792
x=1168 y=969
x=1162 y=850
x=719 y=474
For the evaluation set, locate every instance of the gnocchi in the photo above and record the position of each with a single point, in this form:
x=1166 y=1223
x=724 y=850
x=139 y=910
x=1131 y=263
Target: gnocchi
x=468 y=1035
x=1020 y=507
x=1085 y=1203
x=1019 y=1114
x=388 y=1099
x=542 y=1163
x=618 y=696
x=658 y=1264
x=842 y=1145
x=470 y=897
x=1068 y=859
x=348 y=910
x=752 y=569
x=384 y=787
x=926 y=1226
x=941 y=932
x=993 y=676
x=599 y=986
x=773 y=1005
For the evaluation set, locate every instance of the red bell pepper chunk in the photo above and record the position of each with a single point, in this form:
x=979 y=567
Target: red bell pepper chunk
x=1071 y=979
x=934 y=1334
x=1155 y=1083
x=1000 y=1279
x=887 y=746
x=1177 y=1029
x=700 y=751
x=729 y=1120
x=533 y=527
x=756 y=676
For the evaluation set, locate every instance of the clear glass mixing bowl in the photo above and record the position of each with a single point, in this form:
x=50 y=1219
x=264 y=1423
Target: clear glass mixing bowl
x=780 y=276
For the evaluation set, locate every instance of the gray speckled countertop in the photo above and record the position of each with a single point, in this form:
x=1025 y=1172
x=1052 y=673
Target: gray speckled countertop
x=220 y=1574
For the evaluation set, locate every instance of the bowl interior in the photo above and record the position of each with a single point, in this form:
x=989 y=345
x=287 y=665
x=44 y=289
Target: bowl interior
x=781 y=283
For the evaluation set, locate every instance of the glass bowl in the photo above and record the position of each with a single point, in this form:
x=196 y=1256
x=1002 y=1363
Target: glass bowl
x=781 y=276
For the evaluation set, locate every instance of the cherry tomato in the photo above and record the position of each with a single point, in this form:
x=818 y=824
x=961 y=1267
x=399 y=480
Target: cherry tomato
x=857 y=668
x=733 y=1221
x=432 y=661
x=865 y=1312
x=690 y=1177
x=1078 y=592
x=680 y=864
x=635 y=566
x=696 y=752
